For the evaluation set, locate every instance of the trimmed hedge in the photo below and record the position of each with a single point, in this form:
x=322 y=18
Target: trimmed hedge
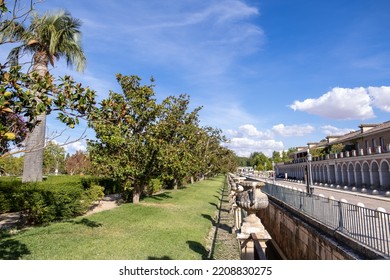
x=58 y=198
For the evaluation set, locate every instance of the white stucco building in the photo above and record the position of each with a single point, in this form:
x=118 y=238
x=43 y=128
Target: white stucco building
x=359 y=159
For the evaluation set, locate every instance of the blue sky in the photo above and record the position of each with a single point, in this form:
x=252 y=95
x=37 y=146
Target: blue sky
x=272 y=74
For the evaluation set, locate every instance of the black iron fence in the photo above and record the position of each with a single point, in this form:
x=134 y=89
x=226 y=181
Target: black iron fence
x=370 y=227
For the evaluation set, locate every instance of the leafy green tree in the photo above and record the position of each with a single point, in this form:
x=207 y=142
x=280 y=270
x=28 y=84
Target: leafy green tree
x=337 y=148
x=286 y=154
x=207 y=151
x=78 y=163
x=242 y=161
x=316 y=152
x=19 y=108
x=140 y=140
x=228 y=162
x=260 y=160
x=176 y=131
x=276 y=156
x=126 y=146
x=47 y=38
x=53 y=158
x=11 y=166
x=11 y=14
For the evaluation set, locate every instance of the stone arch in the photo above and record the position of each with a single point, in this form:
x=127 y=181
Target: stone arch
x=358 y=174
x=321 y=173
x=338 y=174
x=315 y=173
x=366 y=174
x=375 y=180
x=326 y=176
x=351 y=174
x=344 y=180
x=384 y=173
x=332 y=174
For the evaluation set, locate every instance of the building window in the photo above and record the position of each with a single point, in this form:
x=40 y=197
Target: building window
x=382 y=143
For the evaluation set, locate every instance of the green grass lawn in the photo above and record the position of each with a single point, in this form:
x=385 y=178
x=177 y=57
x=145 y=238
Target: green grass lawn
x=172 y=225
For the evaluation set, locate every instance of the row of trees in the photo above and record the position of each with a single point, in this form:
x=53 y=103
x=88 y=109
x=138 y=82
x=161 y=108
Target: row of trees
x=55 y=161
x=261 y=162
x=137 y=138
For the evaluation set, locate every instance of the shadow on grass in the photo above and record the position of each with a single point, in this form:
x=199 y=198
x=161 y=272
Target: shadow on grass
x=160 y=196
x=208 y=217
x=214 y=204
x=219 y=225
x=12 y=250
x=161 y=258
x=88 y=223
x=220 y=192
x=198 y=248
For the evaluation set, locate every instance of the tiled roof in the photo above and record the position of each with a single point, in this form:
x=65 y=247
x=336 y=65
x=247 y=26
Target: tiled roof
x=377 y=128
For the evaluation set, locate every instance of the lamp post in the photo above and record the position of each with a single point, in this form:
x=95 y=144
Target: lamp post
x=309 y=188
x=273 y=172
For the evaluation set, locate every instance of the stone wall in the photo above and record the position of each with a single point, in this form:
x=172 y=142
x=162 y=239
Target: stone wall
x=298 y=240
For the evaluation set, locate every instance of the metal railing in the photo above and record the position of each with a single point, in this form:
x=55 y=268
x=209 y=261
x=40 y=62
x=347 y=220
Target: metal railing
x=367 y=226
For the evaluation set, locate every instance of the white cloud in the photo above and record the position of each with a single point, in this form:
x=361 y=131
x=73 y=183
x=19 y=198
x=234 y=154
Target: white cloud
x=245 y=146
x=292 y=130
x=380 y=97
x=248 y=139
x=339 y=103
x=248 y=130
x=75 y=146
x=330 y=130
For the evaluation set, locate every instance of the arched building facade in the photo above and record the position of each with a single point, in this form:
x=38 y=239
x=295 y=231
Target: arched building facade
x=361 y=163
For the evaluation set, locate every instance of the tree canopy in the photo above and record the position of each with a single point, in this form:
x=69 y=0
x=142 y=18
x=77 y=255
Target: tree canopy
x=139 y=139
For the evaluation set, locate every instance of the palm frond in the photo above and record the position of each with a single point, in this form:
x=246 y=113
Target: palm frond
x=57 y=34
x=13 y=56
x=11 y=31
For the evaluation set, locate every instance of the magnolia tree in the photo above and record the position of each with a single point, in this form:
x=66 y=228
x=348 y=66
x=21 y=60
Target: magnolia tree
x=126 y=147
x=139 y=139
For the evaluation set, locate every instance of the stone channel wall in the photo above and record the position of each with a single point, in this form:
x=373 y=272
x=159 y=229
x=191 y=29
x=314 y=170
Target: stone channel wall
x=298 y=240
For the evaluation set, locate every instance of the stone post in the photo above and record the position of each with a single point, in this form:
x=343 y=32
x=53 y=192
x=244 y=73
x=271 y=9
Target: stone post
x=252 y=200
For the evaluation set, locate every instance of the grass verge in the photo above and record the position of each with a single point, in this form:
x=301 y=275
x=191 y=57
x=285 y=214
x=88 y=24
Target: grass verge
x=172 y=225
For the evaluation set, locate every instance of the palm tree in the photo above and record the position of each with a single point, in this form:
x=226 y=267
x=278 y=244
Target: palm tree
x=52 y=36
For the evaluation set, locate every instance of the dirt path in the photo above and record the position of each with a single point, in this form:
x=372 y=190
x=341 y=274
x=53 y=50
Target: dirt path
x=108 y=202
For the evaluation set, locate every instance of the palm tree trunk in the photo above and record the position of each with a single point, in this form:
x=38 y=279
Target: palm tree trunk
x=33 y=158
x=35 y=142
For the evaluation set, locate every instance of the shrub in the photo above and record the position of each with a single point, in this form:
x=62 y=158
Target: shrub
x=8 y=186
x=110 y=185
x=154 y=186
x=52 y=200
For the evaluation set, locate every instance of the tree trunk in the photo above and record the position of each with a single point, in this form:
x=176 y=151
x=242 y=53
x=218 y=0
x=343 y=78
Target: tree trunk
x=35 y=142
x=33 y=158
x=136 y=193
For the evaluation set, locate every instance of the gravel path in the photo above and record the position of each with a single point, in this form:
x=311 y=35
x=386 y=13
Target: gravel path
x=225 y=243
